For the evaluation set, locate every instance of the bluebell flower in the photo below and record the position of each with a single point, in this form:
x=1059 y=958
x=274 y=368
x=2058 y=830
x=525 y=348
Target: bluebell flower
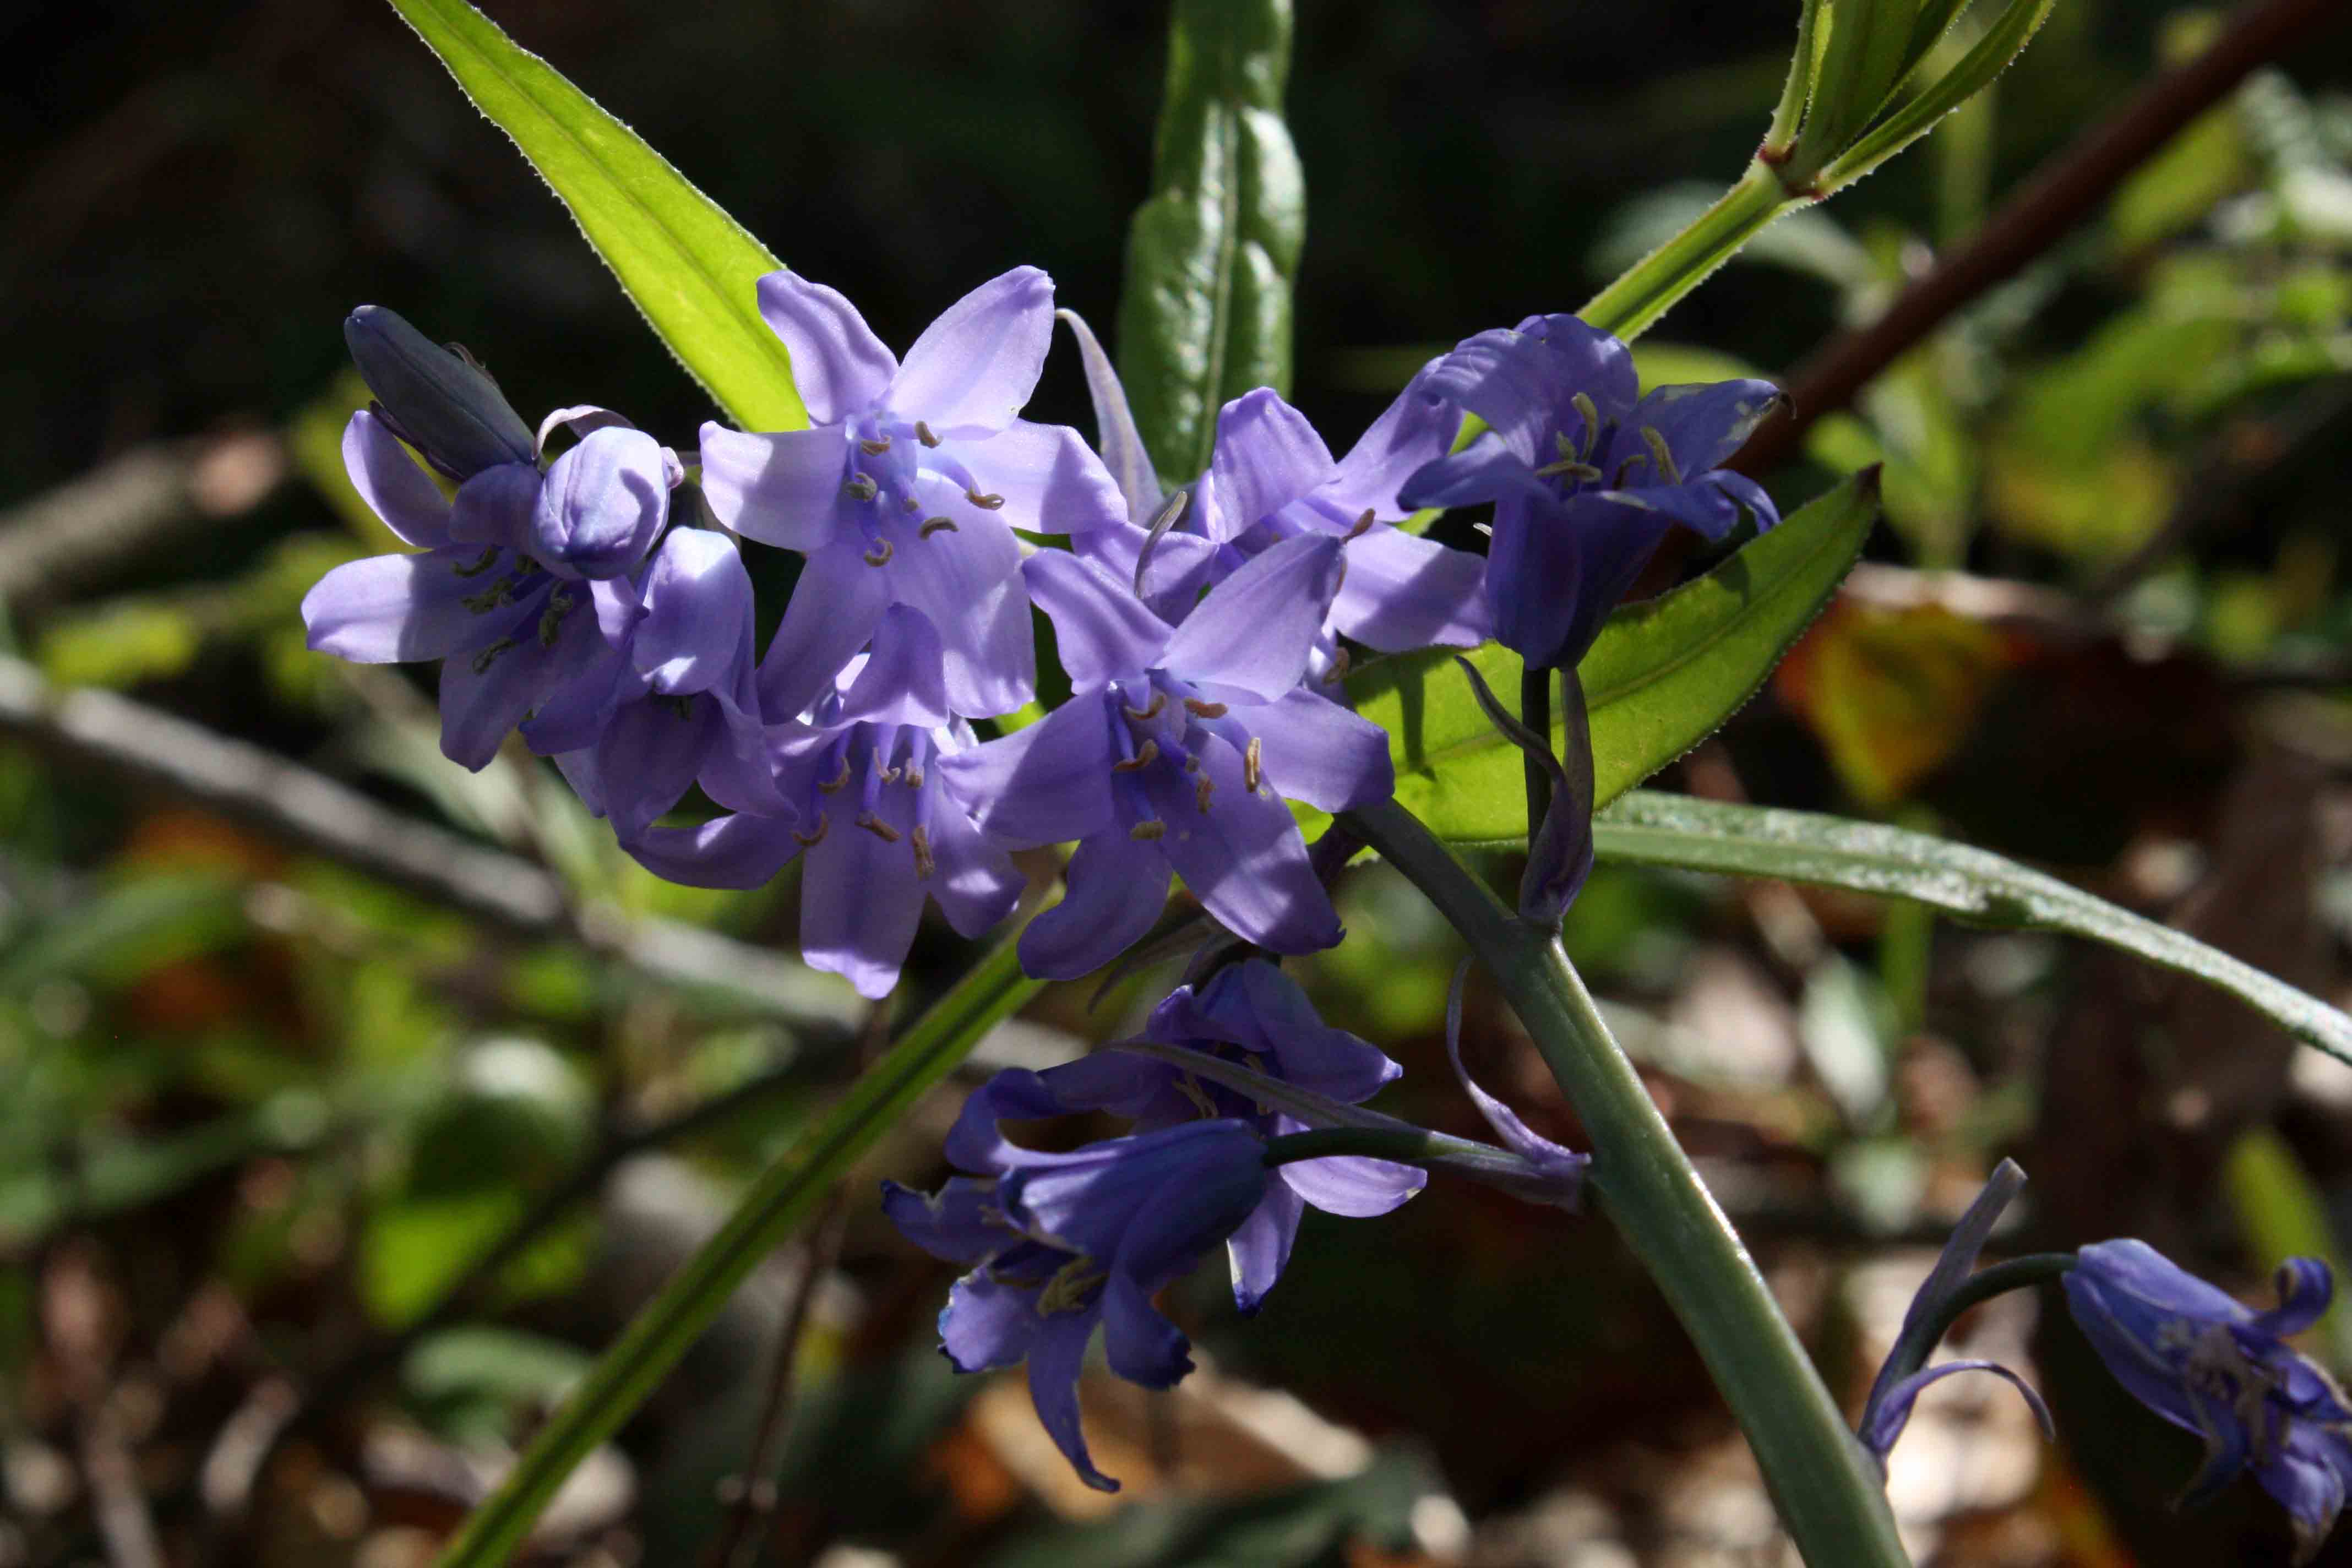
x=1587 y=477
x=908 y=488
x=514 y=633
x=1174 y=755
x=1253 y=1014
x=672 y=703
x=1060 y=1243
x=2204 y=1363
x=878 y=825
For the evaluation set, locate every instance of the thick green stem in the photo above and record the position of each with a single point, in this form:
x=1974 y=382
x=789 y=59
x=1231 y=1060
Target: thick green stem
x=1650 y=287
x=1828 y=1492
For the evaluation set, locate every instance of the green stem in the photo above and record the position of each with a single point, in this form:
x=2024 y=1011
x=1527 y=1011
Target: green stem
x=1650 y=287
x=1920 y=1340
x=786 y=1195
x=1781 y=137
x=1410 y=1147
x=1534 y=711
x=1828 y=1492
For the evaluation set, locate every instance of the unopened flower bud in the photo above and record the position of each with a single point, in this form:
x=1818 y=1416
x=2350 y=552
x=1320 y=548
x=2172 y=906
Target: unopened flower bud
x=442 y=402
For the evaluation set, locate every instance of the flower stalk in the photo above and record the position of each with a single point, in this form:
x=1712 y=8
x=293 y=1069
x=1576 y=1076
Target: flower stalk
x=1826 y=1488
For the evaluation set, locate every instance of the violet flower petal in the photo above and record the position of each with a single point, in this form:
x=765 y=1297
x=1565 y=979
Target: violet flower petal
x=833 y=612
x=1118 y=889
x=1050 y=480
x=1242 y=857
x=1116 y=434
x=1403 y=592
x=782 y=488
x=1252 y=633
x=839 y=365
x=697 y=630
x=1311 y=749
x=737 y=850
x=1101 y=631
x=393 y=609
x=1259 y=1250
x=392 y=484
x=972 y=370
x=1047 y=783
x=1267 y=456
x=967 y=581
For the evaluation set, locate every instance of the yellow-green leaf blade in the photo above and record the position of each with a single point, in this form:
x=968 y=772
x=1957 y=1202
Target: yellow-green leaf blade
x=689 y=267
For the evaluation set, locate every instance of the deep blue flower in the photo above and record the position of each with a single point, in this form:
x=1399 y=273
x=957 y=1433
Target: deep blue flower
x=513 y=632
x=878 y=824
x=672 y=703
x=909 y=486
x=2203 y=1362
x=1059 y=1243
x=1586 y=476
x=1253 y=1014
x=1174 y=756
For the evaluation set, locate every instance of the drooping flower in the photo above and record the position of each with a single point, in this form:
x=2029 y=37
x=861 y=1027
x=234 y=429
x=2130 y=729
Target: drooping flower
x=514 y=634
x=1174 y=756
x=672 y=703
x=879 y=824
x=1905 y=1376
x=908 y=488
x=2204 y=1363
x=1272 y=477
x=1254 y=1014
x=1060 y=1243
x=1587 y=475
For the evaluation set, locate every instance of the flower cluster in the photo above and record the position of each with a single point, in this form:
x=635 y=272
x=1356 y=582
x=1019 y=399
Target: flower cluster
x=889 y=739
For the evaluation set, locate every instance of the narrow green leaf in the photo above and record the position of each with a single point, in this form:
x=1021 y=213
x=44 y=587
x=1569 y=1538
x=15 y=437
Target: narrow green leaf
x=1935 y=19
x=1206 y=311
x=784 y=1197
x=2002 y=42
x=1967 y=884
x=1861 y=65
x=687 y=266
x=1660 y=677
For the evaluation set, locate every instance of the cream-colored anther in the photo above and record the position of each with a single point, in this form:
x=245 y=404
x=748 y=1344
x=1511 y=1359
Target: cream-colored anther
x=1362 y=524
x=1150 y=829
x=1655 y=440
x=876 y=826
x=861 y=487
x=924 y=863
x=835 y=785
x=810 y=840
x=933 y=524
x=880 y=554
x=1145 y=715
x=985 y=503
x=1252 y=770
x=1203 y=790
x=875 y=448
x=1145 y=755
x=1200 y=709
x=923 y=433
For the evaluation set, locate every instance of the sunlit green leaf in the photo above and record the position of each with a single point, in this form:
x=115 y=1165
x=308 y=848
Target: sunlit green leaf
x=687 y=266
